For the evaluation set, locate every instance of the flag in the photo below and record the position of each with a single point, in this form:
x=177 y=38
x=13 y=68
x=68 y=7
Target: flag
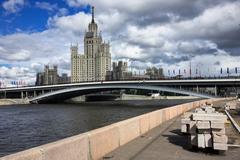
x=179 y=71
x=227 y=70
x=236 y=71
x=221 y=71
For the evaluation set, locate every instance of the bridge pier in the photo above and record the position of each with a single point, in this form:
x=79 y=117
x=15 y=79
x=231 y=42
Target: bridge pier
x=5 y=94
x=42 y=91
x=215 y=90
x=34 y=93
x=197 y=89
x=22 y=95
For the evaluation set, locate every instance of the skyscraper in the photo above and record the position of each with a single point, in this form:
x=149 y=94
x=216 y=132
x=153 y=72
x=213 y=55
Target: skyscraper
x=96 y=60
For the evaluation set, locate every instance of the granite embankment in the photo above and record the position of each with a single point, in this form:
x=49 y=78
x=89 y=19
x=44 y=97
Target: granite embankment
x=97 y=143
x=13 y=101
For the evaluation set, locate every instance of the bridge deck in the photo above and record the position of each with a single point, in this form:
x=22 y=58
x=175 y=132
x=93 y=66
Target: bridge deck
x=166 y=142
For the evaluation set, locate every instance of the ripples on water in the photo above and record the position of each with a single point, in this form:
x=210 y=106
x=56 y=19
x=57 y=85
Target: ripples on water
x=26 y=126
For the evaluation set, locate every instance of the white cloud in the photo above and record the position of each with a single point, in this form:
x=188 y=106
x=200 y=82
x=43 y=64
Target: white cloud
x=170 y=44
x=77 y=22
x=46 y=6
x=12 y=6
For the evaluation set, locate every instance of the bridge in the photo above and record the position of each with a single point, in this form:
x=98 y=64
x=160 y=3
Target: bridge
x=197 y=87
x=64 y=94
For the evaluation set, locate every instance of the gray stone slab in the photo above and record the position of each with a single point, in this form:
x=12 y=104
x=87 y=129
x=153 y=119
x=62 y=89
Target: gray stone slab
x=203 y=125
x=208 y=117
x=201 y=140
x=220 y=138
x=220 y=146
x=208 y=140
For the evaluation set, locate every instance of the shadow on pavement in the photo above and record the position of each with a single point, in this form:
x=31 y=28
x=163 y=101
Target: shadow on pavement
x=177 y=138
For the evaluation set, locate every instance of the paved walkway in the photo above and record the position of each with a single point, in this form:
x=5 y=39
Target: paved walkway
x=167 y=143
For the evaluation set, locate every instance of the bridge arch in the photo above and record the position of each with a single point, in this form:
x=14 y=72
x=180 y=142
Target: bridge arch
x=64 y=94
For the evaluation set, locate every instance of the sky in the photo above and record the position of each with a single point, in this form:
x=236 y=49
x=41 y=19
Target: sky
x=171 y=34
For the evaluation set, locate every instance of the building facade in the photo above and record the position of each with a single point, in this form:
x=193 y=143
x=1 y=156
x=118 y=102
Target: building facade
x=94 y=64
x=50 y=76
x=155 y=73
x=119 y=71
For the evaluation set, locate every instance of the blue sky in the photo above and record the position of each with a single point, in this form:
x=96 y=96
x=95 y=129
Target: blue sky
x=168 y=34
x=32 y=17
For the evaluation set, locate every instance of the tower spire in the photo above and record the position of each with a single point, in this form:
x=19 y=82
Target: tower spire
x=92 y=14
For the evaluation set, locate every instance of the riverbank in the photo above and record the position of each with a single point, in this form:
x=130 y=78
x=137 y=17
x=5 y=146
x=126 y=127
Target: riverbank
x=30 y=125
x=97 y=143
x=142 y=97
x=13 y=101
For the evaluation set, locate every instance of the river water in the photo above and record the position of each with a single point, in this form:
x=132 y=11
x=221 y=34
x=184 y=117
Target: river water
x=27 y=126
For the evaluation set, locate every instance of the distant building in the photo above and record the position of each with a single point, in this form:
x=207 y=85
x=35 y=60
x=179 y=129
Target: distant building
x=50 y=76
x=119 y=72
x=155 y=73
x=96 y=61
x=64 y=78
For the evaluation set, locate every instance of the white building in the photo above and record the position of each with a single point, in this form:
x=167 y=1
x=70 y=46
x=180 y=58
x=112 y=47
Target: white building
x=96 y=60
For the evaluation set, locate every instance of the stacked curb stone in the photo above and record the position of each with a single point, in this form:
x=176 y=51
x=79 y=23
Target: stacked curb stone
x=206 y=128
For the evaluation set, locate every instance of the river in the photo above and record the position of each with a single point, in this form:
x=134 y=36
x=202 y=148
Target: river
x=27 y=126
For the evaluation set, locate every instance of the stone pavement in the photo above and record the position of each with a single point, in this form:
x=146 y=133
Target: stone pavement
x=167 y=142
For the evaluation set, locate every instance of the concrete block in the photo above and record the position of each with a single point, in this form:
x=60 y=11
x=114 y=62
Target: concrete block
x=185 y=121
x=219 y=131
x=202 y=112
x=217 y=124
x=203 y=125
x=30 y=154
x=184 y=128
x=144 y=124
x=204 y=131
x=208 y=117
x=73 y=148
x=198 y=110
x=220 y=138
x=192 y=127
x=104 y=140
x=220 y=146
x=194 y=140
x=187 y=115
x=201 y=140
x=210 y=110
x=208 y=140
x=128 y=130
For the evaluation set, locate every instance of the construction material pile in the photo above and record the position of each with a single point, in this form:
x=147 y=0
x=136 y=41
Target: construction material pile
x=232 y=105
x=206 y=128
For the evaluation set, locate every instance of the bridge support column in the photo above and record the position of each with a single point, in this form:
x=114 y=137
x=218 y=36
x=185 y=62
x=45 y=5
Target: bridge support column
x=42 y=91
x=34 y=93
x=197 y=89
x=5 y=94
x=22 y=96
x=26 y=94
x=215 y=90
x=180 y=87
